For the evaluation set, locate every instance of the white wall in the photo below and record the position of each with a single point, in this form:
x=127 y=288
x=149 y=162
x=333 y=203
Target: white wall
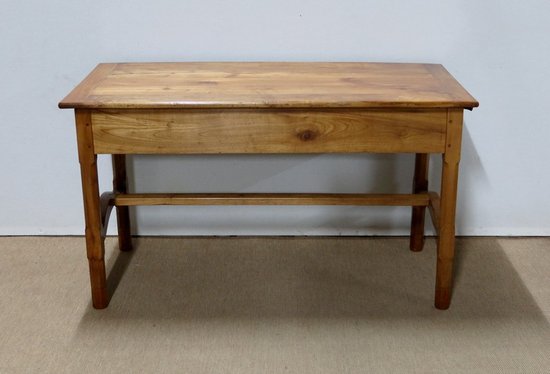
x=498 y=49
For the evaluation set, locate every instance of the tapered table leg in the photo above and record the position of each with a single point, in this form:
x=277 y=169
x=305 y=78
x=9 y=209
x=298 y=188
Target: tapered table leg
x=446 y=239
x=92 y=211
x=420 y=184
x=122 y=212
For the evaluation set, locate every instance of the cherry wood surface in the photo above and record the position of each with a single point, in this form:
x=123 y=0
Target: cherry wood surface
x=92 y=210
x=268 y=85
x=419 y=199
x=211 y=131
x=224 y=108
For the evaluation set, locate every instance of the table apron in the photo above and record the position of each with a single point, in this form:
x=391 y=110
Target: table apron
x=233 y=131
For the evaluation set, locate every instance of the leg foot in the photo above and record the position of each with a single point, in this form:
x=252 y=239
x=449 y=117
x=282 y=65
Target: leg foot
x=417 y=229
x=444 y=281
x=98 y=281
x=123 y=224
x=442 y=298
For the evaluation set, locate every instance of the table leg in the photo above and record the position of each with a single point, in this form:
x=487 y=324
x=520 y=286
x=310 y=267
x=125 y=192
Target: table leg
x=446 y=239
x=92 y=211
x=420 y=184
x=122 y=212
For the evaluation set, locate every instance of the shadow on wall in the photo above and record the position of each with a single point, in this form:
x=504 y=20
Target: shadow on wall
x=473 y=177
x=376 y=173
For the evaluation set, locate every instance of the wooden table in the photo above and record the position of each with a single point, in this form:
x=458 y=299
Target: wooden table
x=255 y=108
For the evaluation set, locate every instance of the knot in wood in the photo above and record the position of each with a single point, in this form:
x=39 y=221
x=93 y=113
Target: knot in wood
x=307 y=135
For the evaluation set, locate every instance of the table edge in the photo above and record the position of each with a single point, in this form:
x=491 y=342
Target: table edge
x=78 y=98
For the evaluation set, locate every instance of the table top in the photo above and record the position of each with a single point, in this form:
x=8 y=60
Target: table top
x=268 y=85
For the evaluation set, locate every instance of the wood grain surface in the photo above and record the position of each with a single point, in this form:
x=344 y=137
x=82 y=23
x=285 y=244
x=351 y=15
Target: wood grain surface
x=275 y=107
x=268 y=131
x=271 y=199
x=268 y=85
